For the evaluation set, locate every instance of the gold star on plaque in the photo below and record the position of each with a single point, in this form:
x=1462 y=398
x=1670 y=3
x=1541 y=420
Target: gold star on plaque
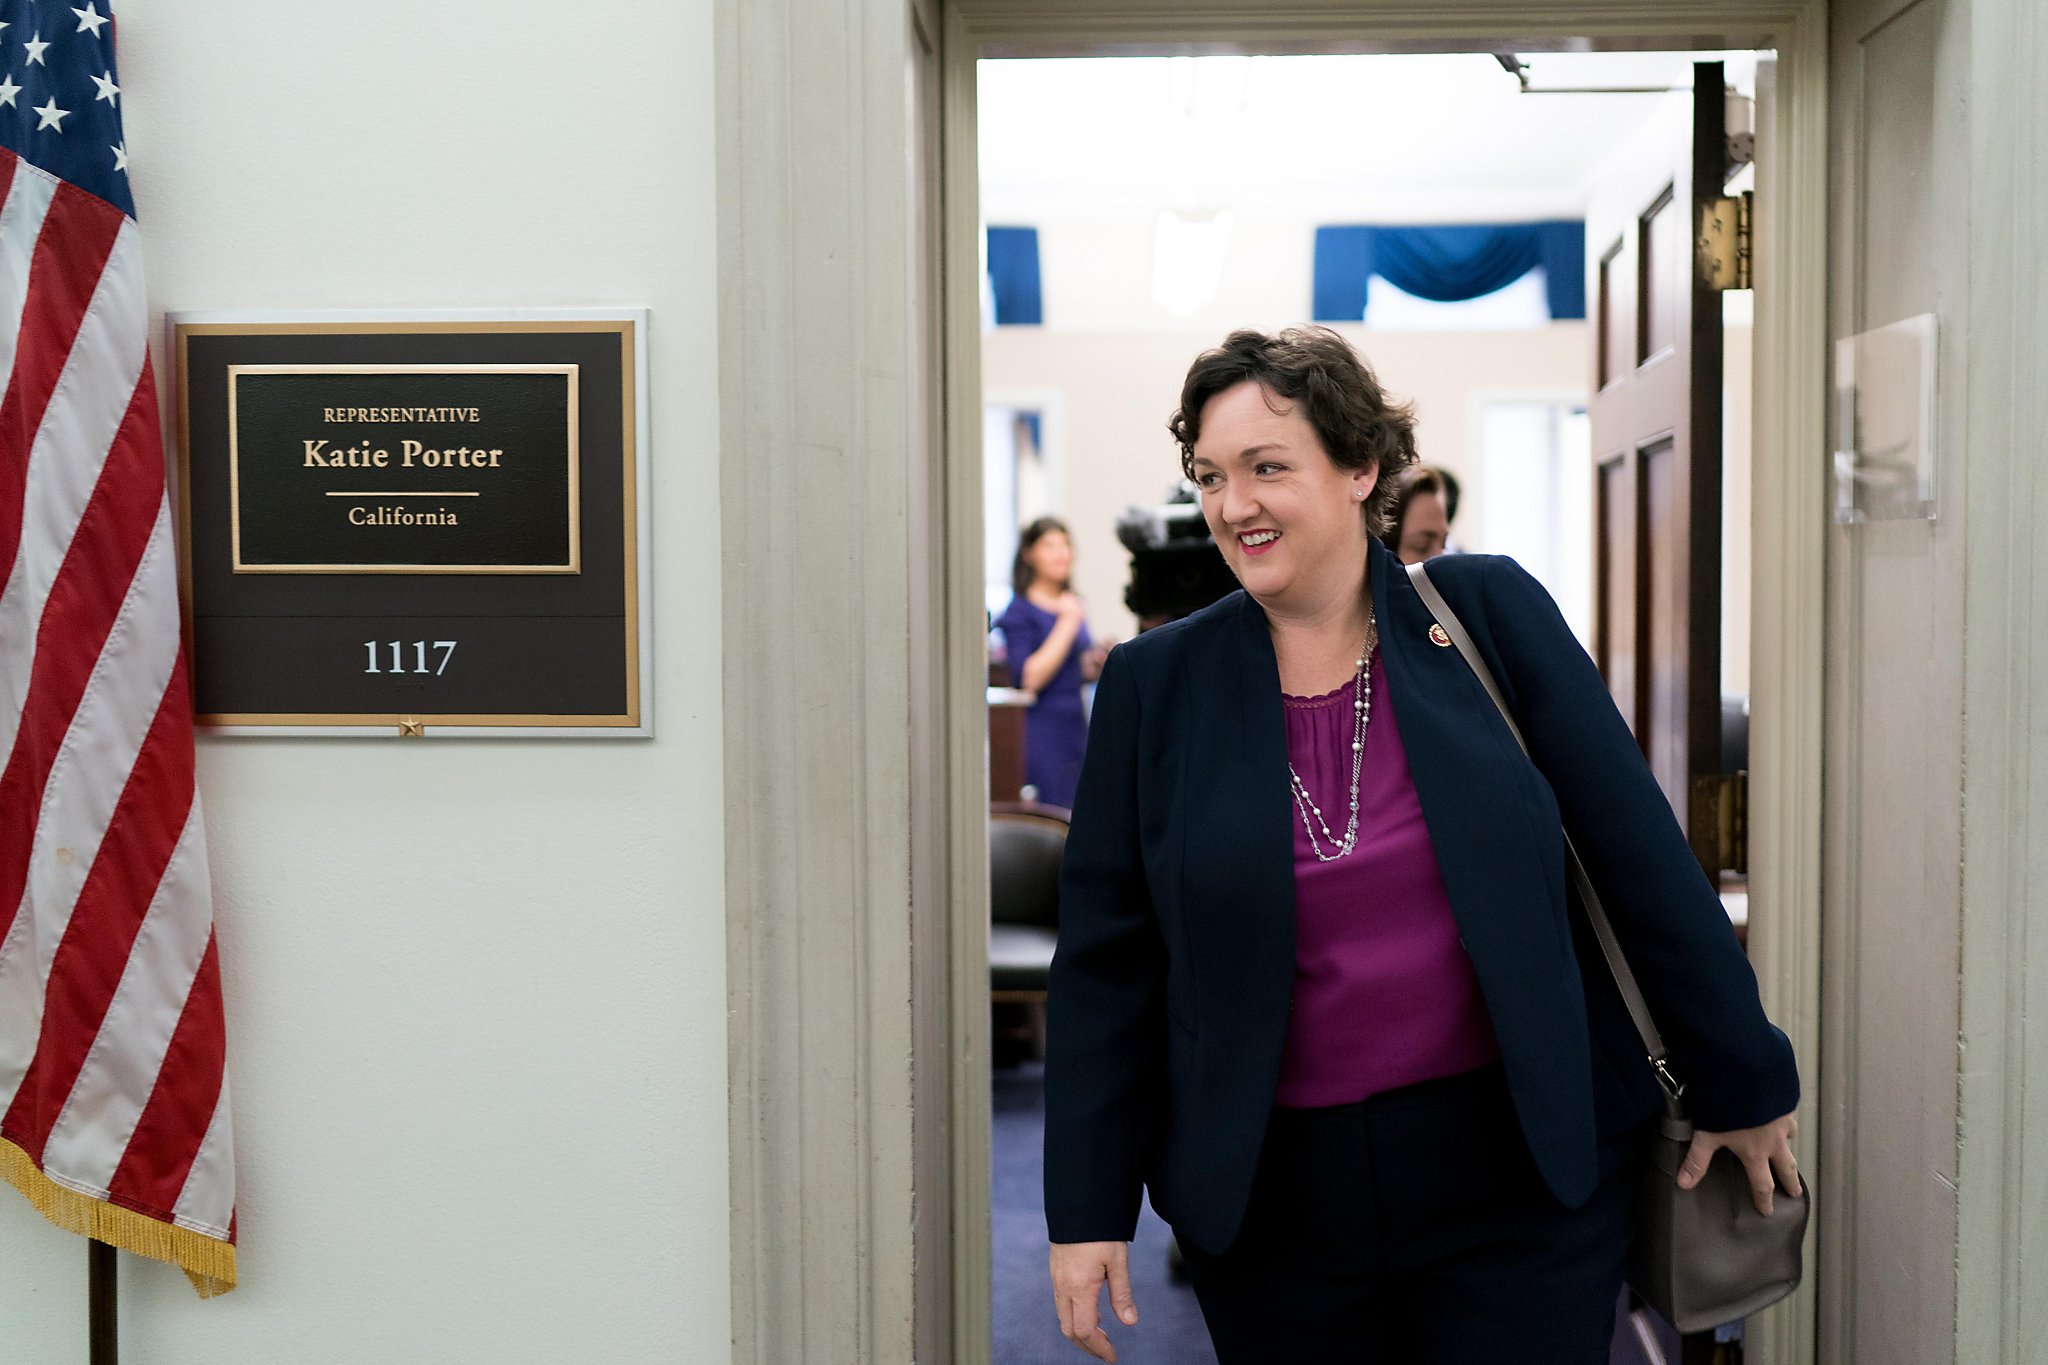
x=409 y=728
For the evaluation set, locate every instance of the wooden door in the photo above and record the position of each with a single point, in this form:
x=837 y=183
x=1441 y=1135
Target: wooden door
x=1656 y=431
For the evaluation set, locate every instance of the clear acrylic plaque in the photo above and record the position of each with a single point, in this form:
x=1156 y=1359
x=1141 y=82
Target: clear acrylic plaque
x=1884 y=423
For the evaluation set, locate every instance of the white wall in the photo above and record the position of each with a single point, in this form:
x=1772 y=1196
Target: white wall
x=1097 y=274
x=1899 y=795
x=1115 y=388
x=475 y=990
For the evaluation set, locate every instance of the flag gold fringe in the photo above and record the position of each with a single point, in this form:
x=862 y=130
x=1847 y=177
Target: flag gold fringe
x=207 y=1261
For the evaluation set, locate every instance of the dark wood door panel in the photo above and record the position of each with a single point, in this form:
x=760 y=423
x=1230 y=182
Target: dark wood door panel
x=1656 y=419
x=1614 y=283
x=1614 y=578
x=1661 y=546
x=1661 y=274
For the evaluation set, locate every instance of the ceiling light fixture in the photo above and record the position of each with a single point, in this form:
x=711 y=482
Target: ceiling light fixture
x=1188 y=251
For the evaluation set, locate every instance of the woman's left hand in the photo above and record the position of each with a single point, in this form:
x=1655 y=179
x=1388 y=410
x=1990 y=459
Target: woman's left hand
x=1765 y=1152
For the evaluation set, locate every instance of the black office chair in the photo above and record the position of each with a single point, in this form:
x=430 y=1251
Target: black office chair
x=1025 y=843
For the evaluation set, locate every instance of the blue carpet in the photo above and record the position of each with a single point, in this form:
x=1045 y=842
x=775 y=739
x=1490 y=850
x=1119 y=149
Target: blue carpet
x=1169 y=1330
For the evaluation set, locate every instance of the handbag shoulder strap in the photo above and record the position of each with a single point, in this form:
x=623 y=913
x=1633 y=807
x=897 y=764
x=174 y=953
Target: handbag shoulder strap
x=1596 y=914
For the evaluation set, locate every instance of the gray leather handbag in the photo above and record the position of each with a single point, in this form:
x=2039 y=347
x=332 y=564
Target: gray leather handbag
x=1702 y=1256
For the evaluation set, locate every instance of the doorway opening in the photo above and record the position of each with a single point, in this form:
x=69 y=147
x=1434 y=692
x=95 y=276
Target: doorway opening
x=1167 y=200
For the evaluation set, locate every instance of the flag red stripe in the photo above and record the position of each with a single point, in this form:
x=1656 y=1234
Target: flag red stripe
x=113 y=1069
x=84 y=600
x=174 y=1122
x=140 y=839
x=77 y=238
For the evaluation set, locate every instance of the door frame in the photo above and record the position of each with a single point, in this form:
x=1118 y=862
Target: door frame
x=858 y=1099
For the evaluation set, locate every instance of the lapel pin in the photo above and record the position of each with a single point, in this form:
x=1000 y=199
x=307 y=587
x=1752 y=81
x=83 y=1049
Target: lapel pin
x=1438 y=637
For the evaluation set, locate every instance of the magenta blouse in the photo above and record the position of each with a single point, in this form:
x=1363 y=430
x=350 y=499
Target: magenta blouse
x=1384 y=995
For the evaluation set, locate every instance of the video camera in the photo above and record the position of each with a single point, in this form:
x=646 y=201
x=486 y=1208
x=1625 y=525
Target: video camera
x=1176 y=569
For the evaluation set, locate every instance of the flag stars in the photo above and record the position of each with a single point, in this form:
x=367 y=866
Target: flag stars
x=51 y=115
x=90 y=18
x=8 y=90
x=107 y=89
x=120 y=152
x=35 y=48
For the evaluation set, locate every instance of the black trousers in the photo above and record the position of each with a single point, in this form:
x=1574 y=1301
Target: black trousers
x=1412 y=1228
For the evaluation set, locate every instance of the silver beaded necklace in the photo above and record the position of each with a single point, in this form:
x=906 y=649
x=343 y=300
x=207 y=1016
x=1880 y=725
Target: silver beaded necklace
x=1361 y=713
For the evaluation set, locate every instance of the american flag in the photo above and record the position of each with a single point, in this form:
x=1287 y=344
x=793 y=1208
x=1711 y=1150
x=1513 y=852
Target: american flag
x=113 y=1089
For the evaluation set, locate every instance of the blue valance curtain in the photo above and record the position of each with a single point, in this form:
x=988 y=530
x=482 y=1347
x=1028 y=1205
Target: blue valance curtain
x=1448 y=264
x=1013 y=275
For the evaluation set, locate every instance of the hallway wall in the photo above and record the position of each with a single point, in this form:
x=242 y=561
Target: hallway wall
x=475 y=989
x=1894 y=794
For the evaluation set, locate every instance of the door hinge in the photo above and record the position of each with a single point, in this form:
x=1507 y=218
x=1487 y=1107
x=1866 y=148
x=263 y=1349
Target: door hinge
x=1724 y=241
x=1719 y=816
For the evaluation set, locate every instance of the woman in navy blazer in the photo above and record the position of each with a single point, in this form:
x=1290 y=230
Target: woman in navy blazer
x=1478 y=1216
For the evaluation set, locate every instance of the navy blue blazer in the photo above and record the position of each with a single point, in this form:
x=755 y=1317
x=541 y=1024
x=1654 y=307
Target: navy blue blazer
x=1170 y=989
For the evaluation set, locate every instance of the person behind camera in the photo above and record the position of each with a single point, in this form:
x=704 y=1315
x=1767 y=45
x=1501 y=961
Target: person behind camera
x=1317 y=987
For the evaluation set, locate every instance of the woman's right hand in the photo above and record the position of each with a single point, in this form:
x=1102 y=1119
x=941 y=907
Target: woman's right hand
x=1078 y=1272
x=1070 y=607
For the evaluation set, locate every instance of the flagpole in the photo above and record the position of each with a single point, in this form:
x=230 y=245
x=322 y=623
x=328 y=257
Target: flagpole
x=102 y=1308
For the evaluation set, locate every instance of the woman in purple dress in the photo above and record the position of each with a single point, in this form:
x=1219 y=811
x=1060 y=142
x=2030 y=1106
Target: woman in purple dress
x=1051 y=655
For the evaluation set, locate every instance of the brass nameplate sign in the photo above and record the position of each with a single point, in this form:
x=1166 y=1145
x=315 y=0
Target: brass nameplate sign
x=419 y=526
x=412 y=469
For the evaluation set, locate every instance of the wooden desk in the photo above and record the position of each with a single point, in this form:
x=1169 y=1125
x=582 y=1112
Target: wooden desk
x=1008 y=709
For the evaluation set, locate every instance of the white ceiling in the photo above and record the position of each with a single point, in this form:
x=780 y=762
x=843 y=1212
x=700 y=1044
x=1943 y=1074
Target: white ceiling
x=1370 y=138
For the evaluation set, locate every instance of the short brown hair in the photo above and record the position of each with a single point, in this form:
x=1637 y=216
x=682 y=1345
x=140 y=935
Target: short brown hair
x=1360 y=427
x=1412 y=484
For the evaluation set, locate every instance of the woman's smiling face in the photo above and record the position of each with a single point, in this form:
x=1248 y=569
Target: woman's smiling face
x=1286 y=518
